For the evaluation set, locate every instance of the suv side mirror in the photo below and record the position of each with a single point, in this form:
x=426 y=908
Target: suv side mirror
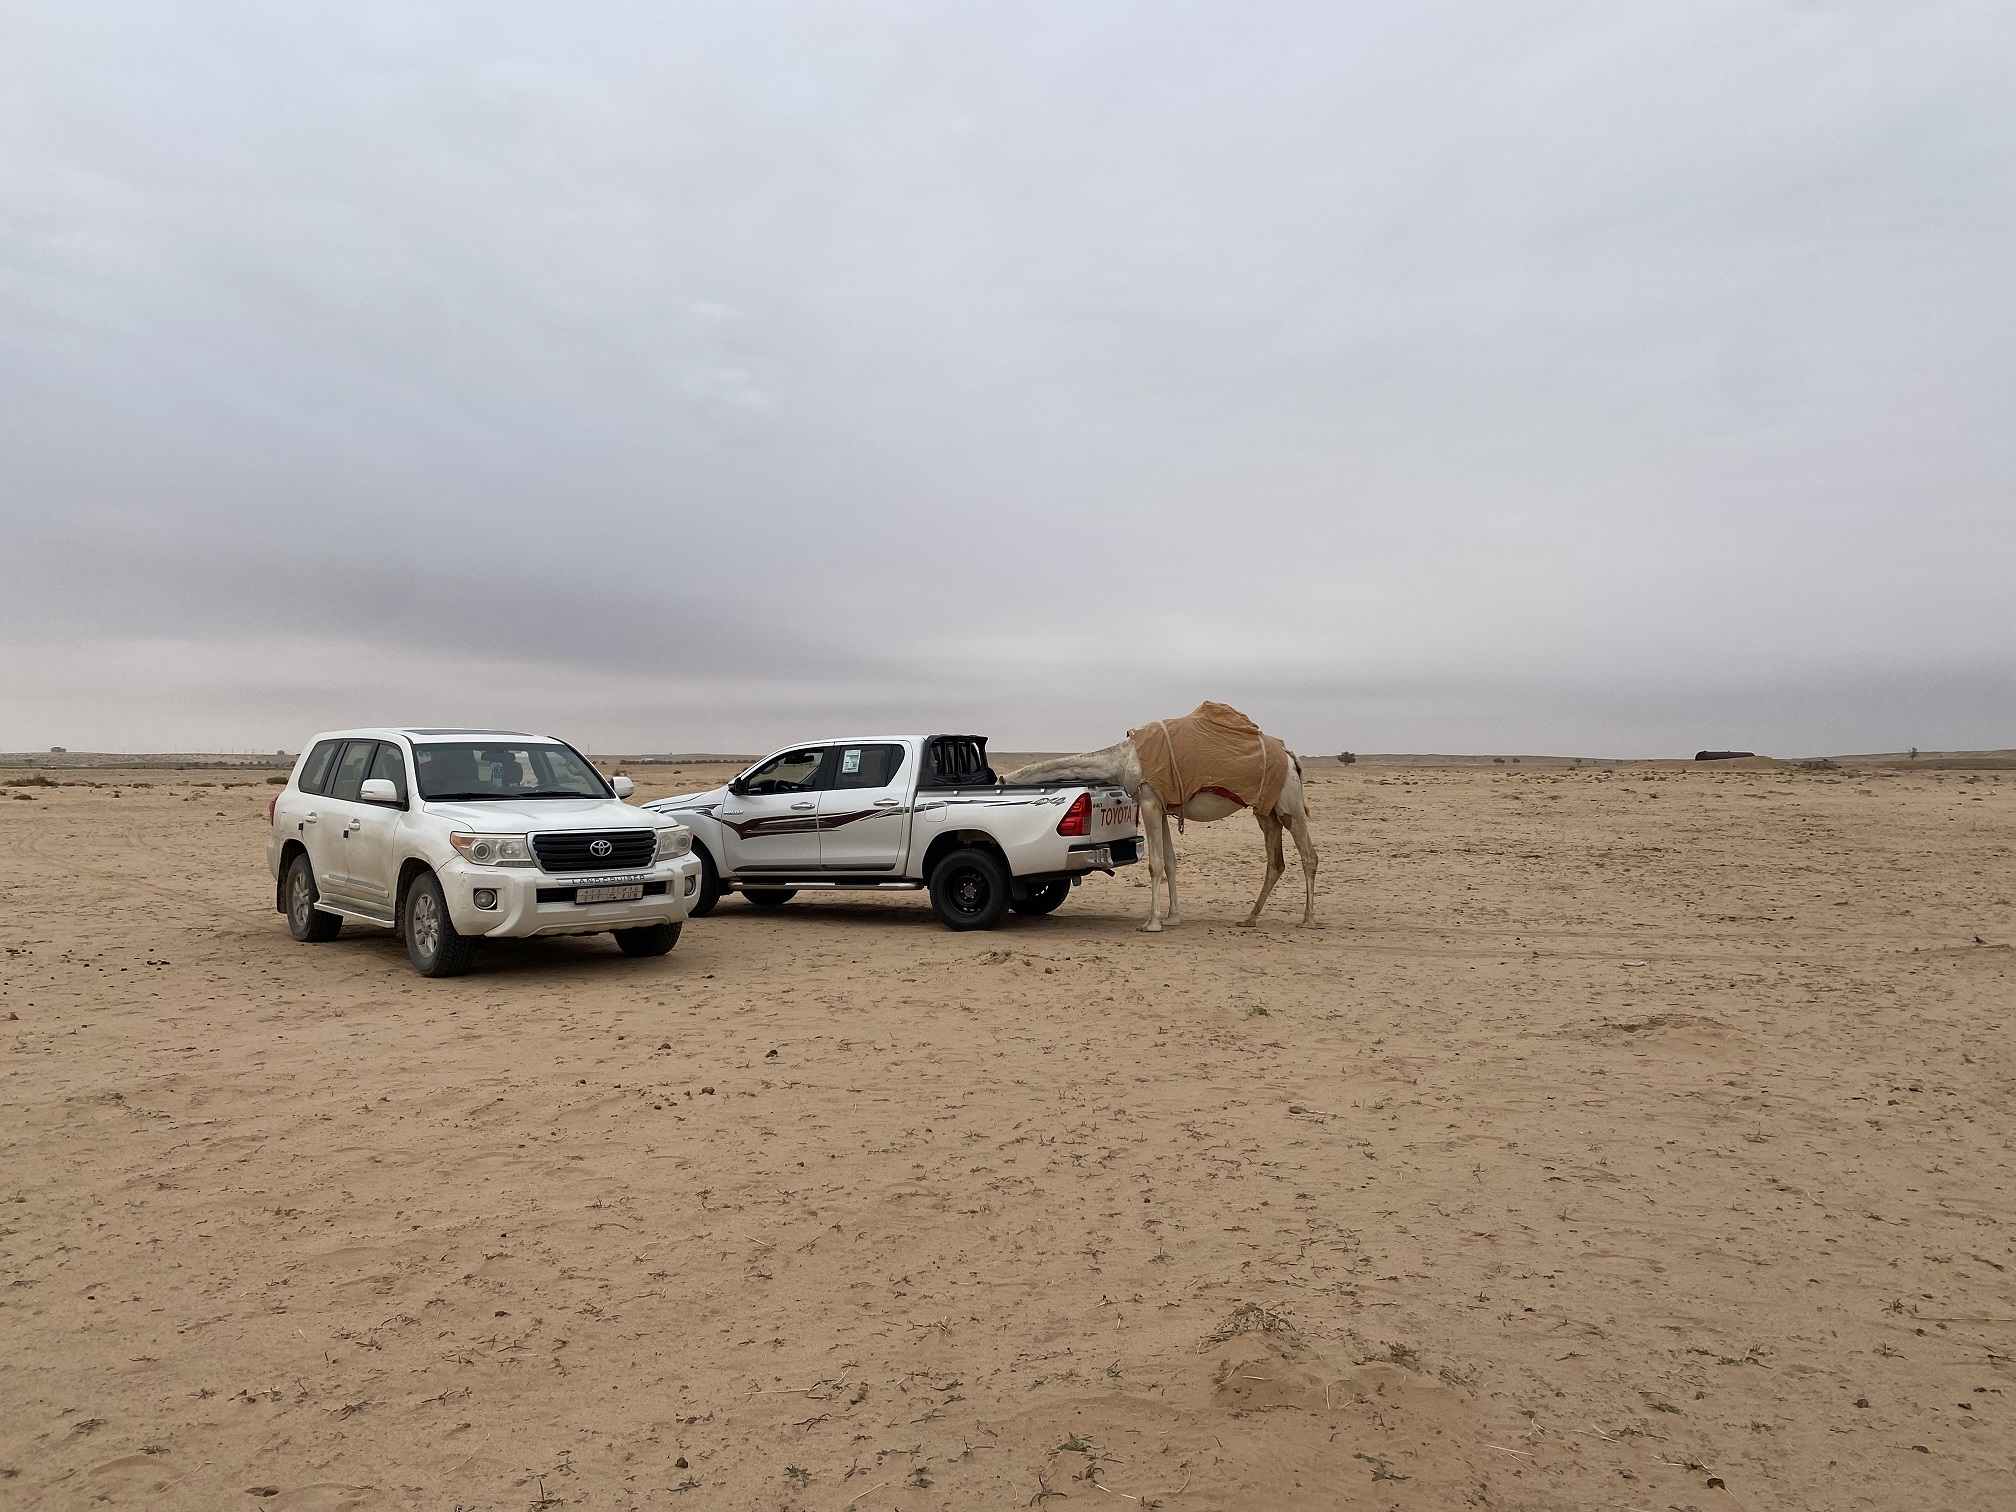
x=738 y=787
x=379 y=790
x=623 y=785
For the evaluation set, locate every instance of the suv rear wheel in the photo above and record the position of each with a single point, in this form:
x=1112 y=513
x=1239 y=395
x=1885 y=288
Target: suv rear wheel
x=435 y=946
x=305 y=921
x=969 y=889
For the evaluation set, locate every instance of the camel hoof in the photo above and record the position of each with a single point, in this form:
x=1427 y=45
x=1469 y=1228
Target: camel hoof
x=1151 y=927
x=1248 y=923
x=1309 y=924
x=1170 y=921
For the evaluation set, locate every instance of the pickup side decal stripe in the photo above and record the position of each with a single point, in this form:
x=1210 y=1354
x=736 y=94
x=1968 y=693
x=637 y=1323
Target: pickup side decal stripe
x=781 y=824
x=798 y=824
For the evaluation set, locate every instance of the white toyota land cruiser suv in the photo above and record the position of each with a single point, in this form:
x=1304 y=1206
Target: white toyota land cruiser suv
x=448 y=836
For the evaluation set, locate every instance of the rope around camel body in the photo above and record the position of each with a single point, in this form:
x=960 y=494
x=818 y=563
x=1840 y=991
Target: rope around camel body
x=1176 y=769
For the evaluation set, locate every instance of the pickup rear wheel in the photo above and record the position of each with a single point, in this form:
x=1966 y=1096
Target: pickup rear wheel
x=769 y=897
x=969 y=889
x=433 y=944
x=1044 y=899
x=305 y=921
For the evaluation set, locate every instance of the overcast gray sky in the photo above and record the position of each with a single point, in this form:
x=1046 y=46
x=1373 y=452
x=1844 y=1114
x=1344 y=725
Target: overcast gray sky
x=1416 y=376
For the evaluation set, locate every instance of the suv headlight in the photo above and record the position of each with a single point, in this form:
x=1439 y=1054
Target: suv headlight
x=493 y=850
x=674 y=842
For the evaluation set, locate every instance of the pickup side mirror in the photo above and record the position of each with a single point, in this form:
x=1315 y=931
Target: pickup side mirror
x=738 y=787
x=623 y=785
x=379 y=790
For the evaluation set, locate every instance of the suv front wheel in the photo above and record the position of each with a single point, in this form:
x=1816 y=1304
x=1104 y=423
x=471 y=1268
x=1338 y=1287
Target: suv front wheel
x=433 y=943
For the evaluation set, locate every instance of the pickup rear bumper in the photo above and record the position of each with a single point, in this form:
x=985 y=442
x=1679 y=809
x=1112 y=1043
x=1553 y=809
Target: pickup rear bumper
x=1104 y=855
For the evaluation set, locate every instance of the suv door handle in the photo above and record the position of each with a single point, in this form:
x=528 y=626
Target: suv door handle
x=308 y=818
x=808 y=803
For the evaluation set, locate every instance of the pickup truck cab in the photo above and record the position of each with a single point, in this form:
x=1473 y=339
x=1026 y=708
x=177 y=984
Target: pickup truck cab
x=903 y=812
x=451 y=836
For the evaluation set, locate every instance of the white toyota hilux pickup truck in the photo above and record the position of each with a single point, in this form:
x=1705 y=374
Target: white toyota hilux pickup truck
x=897 y=812
x=450 y=836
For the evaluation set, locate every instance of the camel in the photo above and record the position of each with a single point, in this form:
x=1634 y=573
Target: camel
x=1200 y=799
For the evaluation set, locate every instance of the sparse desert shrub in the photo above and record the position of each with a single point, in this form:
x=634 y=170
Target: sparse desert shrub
x=1347 y=758
x=37 y=780
x=276 y=782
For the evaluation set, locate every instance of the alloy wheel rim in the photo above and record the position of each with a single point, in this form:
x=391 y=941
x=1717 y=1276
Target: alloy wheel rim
x=426 y=924
x=297 y=900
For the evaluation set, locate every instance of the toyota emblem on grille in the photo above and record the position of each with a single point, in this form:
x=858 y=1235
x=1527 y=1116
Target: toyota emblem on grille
x=599 y=847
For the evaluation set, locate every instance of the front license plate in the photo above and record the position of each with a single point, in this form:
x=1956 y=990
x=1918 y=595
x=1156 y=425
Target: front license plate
x=609 y=894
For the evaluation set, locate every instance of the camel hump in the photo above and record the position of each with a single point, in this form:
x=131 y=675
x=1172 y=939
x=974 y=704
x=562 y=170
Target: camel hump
x=1224 y=717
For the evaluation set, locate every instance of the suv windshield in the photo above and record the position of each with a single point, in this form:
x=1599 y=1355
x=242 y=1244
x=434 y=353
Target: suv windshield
x=470 y=771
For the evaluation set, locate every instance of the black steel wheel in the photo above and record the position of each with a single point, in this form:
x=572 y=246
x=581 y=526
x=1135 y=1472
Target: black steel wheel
x=305 y=921
x=969 y=889
x=651 y=940
x=1044 y=899
x=710 y=886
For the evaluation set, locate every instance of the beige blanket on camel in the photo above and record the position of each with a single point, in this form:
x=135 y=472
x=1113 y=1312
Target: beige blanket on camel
x=1212 y=749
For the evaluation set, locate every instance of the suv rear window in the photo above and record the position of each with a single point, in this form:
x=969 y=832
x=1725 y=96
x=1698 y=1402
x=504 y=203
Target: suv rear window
x=315 y=770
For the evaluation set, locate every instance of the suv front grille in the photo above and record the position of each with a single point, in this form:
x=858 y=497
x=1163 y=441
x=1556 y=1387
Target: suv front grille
x=571 y=850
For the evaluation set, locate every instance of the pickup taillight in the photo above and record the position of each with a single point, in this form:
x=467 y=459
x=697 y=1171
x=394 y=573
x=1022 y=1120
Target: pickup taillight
x=1077 y=819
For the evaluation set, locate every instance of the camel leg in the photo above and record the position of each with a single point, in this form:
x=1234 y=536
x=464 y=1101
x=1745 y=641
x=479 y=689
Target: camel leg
x=1155 y=838
x=1172 y=918
x=1298 y=822
x=1270 y=831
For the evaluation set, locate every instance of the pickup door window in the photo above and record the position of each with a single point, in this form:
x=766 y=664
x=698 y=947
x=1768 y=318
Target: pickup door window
x=864 y=815
x=770 y=821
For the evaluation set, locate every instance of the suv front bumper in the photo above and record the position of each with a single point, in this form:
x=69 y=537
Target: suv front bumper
x=531 y=901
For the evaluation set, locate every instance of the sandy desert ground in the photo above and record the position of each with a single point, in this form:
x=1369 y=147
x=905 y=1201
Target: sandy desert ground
x=1636 y=1138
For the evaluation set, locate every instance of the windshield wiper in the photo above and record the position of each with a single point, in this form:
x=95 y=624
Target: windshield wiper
x=555 y=793
x=462 y=797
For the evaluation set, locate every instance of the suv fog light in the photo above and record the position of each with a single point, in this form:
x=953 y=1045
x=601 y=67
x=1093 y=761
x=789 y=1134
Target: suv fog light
x=692 y=886
x=485 y=897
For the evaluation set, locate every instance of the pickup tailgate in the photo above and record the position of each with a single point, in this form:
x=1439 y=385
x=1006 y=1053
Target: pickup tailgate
x=1115 y=816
